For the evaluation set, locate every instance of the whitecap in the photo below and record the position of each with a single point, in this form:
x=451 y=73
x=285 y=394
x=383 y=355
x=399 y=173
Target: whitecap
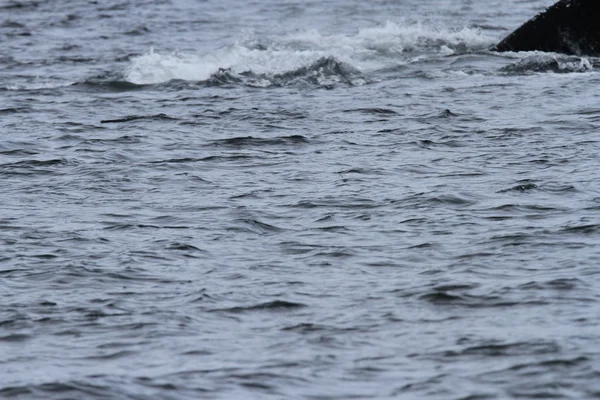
x=366 y=50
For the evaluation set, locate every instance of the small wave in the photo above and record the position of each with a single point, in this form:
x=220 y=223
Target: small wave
x=18 y=152
x=73 y=389
x=557 y=63
x=523 y=186
x=157 y=117
x=183 y=247
x=19 y=5
x=35 y=163
x=111 y=85
x=325 y=71
x=560 y=284
x=256 y=226
x=15 y=337
x=276 y=305
x=529 y=378
x=15 y=110
x=443 y=298
x=439 y=115
x=374 y=111
x=251 y=141
x=306 y=328
x=27 y=83
x=582 y=229
x=500 y=349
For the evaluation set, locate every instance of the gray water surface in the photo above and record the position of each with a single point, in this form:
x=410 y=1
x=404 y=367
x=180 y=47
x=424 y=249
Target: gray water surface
x=294 y=200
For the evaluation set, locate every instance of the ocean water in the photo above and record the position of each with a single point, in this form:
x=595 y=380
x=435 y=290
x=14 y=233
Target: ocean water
x=294 y=200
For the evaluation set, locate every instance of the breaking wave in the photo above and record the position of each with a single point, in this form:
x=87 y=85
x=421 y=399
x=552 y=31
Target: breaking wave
x=307 y=57
x=326 y=71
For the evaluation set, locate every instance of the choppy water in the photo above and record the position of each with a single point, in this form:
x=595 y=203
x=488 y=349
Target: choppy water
x=294 y=200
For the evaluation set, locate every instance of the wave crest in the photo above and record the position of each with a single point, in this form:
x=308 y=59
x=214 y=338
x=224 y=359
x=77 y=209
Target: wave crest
x=320 y=59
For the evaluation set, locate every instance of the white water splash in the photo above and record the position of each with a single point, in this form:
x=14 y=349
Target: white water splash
x=369 y=49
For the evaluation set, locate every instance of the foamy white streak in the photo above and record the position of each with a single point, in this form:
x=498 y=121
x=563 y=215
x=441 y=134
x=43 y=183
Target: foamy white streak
x=38 y=85
x=369 y=49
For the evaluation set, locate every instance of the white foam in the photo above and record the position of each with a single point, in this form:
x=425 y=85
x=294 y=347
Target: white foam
x=417 y=35
x=38 y=84
x=156 y=68
x=368 y=49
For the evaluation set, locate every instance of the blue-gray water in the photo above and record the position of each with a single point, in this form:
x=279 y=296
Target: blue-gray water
x=294 y=200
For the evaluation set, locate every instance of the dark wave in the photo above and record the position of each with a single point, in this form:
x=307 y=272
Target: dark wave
x=498 y=349
x=250 y=141
x=35 y=167
x=375 y=111
x=109 y=82
x=524 y=186
x=20 y=5
x=325 y=72
x=157 y=117
x=255 y=226
x=16 y=110
x=276 y=305
x=467 y=300
x=59 y=390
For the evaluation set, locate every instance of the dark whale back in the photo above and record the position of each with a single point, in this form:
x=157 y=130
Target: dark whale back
x=569 y=27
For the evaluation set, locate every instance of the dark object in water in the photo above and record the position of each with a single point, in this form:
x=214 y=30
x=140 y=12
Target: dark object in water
x=569 y=27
